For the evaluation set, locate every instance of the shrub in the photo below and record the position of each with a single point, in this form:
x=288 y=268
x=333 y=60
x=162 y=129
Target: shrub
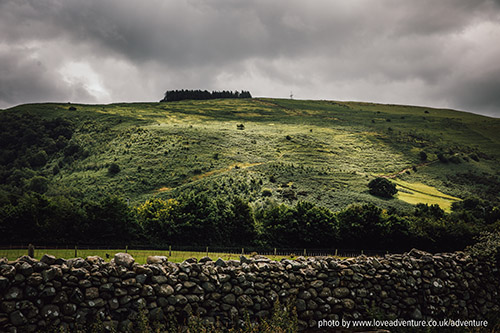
x=71 y=149
x=487 y=247
x=39 y=159
x=442 y=158
x=38 y=184
x=113 y=168
x=382 y=187
x=267 y=192
x=455 y=159
x=423 y=156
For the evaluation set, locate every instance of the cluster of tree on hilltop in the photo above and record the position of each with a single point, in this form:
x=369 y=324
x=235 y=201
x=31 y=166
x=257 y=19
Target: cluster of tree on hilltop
x=179 y=95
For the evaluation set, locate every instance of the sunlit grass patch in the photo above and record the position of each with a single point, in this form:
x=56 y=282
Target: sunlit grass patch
x=415 y=193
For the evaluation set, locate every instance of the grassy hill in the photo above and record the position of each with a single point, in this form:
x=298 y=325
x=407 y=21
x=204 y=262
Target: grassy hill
x=324 y=152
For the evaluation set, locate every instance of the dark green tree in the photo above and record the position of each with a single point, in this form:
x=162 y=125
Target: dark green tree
x=279 y=225
x=109 y=220
x=382 y=187
x=239 y=225
x=317 y=226
x=362 y=226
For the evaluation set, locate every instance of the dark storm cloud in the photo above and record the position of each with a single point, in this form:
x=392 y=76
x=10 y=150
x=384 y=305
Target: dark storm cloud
x=24 y=79
x=385 y=51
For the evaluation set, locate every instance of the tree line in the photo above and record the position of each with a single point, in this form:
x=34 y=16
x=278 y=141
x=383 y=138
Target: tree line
x=180 y=95
x=204 y=219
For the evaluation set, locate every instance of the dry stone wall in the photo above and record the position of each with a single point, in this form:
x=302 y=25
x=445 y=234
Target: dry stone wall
x=416 y=285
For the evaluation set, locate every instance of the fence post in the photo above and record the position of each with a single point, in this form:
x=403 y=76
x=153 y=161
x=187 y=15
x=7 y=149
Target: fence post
x=126 y=248
x=305 y=252
x=242 y=250
x=31 y=251
x=170 y=250
x=336 y=252
x=76 y=251
x=275 y=252
x=207 y=251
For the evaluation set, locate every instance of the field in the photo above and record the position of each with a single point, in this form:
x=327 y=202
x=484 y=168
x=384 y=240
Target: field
x=319 y=151
x=140 y=256
x=415 y=193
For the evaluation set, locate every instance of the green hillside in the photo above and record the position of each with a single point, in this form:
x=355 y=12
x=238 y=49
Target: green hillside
x=319 y=151
x=266 y=151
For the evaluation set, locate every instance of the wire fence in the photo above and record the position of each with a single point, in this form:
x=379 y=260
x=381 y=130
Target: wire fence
x=177 y=253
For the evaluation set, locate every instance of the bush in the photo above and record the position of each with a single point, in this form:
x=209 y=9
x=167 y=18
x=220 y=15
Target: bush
x=55 y=169
x=423 y=156
x=487 y=247
x=382 y=187
x=38 y=184
x=39 y=159
x=71 y=149
x=267 y=192
x=113 y=168
x=455 y=159
x=442 y=158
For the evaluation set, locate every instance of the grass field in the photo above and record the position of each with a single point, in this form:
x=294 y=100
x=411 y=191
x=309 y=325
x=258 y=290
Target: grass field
x=140 y=256
x=325 y=152
x=415 y=193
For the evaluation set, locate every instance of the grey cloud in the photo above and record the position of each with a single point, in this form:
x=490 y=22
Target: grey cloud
x=25 y=80
x=478 y=93
x=140 y=49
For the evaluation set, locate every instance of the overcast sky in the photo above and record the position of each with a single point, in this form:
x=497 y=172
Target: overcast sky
x=442 y=53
